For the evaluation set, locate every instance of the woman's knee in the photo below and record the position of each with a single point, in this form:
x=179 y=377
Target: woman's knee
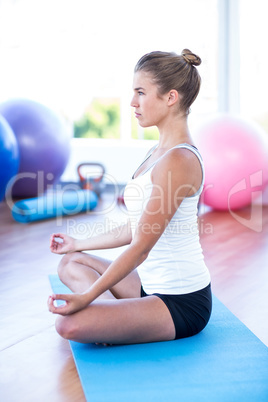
x=66 y=328
x=65 y=264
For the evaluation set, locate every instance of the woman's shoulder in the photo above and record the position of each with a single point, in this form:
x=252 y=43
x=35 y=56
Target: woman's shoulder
x=180 y=155
x=181 y=161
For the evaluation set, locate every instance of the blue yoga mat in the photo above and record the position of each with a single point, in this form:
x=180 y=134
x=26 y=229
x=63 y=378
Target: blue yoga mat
x=53 y=205
x=226 y=362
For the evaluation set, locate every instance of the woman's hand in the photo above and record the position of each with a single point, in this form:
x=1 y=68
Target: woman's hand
x=62 y=243
x=73 y=303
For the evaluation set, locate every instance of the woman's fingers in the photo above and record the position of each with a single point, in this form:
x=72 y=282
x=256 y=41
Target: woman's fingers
x=73 y=303
x=59 y=235
x=54 y=238
x=61 y=309
x=56 y=242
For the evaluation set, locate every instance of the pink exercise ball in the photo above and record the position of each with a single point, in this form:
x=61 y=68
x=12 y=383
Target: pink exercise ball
x=235 y=154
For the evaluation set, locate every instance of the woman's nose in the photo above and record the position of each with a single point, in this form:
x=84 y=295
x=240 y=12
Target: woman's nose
x=134 y=102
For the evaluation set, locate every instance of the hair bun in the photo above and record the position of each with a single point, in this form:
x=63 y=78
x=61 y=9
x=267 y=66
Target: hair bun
x=191 y=58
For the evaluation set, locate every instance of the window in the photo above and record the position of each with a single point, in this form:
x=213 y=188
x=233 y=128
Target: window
x=254 y=60
x=71 y=55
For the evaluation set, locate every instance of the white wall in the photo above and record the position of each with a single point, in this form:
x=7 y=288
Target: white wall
x=120 y=158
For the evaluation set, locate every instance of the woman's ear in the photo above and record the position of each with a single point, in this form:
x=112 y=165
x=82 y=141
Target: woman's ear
x=173 y=97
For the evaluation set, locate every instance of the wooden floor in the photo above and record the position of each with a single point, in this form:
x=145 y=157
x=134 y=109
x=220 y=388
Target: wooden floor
x=36 y=364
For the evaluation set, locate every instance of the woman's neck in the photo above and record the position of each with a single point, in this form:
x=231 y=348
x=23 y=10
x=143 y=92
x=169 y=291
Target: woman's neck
x=174 y=132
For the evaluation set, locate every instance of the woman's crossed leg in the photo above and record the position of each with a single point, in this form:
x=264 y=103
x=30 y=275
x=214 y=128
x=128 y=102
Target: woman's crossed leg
x=118 y=316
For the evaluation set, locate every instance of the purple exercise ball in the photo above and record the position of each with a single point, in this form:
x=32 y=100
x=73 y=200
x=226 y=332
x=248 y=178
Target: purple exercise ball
x=44 y=145
x=9 y=156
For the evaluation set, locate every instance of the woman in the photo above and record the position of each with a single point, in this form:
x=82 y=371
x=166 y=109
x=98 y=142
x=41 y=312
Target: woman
x=158 y=289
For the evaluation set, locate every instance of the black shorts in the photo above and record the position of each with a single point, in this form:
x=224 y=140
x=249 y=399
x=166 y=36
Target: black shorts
x=190 y=312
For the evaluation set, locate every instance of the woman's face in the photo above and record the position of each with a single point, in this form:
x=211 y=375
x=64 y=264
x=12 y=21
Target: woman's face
x=150 y=108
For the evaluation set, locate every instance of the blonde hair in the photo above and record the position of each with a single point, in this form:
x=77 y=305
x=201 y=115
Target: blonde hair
x=172 y=71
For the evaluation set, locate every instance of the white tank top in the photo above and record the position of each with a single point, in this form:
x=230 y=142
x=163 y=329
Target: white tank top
x=175 y=264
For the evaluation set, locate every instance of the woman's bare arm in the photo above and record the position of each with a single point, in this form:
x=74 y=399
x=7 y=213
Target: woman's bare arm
x=119 y=236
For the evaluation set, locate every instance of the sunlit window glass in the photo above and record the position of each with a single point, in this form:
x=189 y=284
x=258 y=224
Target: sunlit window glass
x=77 y=57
